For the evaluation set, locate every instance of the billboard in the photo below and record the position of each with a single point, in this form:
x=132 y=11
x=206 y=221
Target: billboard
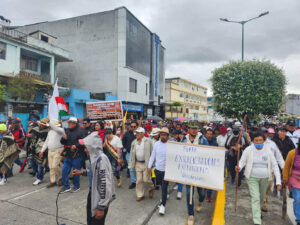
x=107 y=110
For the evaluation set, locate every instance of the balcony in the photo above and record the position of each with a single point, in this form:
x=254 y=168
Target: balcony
x=15 y=34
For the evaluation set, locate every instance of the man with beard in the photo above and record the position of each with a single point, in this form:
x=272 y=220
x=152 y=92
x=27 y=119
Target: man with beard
x=196 y=138
x=231 y=145
x=159 y=157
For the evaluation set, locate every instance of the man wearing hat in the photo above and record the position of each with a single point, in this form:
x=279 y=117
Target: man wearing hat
x=159 y=157
x=140 y=153
x=37 y=138
x=283 y=142
x=292 y=133
x=73 y=153
x=221 y=139
x=196 y=138
x=54 y=147
x=155 y=135
x=9 y=151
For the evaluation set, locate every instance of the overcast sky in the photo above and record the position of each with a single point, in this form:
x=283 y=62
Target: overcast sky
x=195 y=39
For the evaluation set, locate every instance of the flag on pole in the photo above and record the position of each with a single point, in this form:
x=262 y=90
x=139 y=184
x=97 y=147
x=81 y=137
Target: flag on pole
x=62 y=107
x=57 y=105
x=53 y=107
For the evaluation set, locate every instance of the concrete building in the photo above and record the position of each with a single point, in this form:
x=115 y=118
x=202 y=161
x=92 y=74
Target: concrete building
x=211 y=114
x=112 y=52
x=292 y=104
x=191 y=96
x=28 y=55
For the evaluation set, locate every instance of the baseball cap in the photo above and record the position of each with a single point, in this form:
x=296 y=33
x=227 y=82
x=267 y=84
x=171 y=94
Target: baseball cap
x=140 y=130
x=291 y=123
x=73 y=120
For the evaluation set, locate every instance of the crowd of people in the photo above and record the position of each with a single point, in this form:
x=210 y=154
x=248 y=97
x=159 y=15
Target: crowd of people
x=269 y=157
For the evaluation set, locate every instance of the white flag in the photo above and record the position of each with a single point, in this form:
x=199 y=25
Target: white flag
x=53 y=108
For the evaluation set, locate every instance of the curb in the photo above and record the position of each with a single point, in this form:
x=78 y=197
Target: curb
x=219 y=212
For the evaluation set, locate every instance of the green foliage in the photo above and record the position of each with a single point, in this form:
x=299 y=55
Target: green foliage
x=176 y=104
x=22 y=88
x=253 y=87
x=2 y=92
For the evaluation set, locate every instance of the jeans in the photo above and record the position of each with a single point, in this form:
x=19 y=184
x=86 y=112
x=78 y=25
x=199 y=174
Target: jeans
x=209 y=193
x=179 y=187
x=92 y=220
x=68 y=165
x=201 y=193
x=164 y=185
x=231 y=168
x=18 y=162
x=37 y=169
x=132 y=171
x=296 y=203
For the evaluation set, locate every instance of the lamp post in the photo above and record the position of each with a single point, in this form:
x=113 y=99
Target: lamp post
x=243 y=22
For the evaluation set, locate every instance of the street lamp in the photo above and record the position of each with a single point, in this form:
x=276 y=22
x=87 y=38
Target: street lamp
x=243 y=23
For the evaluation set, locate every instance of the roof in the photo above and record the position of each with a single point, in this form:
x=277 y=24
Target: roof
x=187 y=81
x=42 y=32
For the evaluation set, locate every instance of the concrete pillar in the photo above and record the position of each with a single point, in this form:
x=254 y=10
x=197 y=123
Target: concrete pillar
x=52 y=69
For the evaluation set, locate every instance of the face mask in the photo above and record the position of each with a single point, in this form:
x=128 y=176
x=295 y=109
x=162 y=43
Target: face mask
x=259 y=146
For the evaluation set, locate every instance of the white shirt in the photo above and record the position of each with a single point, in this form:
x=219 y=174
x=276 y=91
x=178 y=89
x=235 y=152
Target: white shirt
x=278 y=156
x=221 y=140
x=116 y=142
x=260 y=164
x=140 y=154
x=159 y=156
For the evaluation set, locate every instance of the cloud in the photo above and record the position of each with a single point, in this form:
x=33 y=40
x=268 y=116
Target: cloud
x=196 y=40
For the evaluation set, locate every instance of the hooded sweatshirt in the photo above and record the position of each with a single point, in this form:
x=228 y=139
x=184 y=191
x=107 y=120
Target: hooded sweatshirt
x=103 y=188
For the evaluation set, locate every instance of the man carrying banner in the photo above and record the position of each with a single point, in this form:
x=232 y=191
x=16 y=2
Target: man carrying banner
x=159 y=157
x=196 y=138
x=140 y=153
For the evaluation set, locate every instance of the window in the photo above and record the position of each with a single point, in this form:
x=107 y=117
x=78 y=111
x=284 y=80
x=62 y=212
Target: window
x=29 y=63
x=2 y=50
x=181 y=95
x=44 y=38
x=132 y=85
x=146 y=89
x=197 y=107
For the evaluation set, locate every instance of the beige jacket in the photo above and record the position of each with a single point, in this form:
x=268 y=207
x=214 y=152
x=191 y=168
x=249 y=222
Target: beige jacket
x=148 y=147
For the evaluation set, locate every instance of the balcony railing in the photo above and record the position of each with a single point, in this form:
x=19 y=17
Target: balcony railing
x=13 y=34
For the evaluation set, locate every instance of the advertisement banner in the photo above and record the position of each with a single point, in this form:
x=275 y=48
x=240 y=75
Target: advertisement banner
x=196 y=165
x=107 y=110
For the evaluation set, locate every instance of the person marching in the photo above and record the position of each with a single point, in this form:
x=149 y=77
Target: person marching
x=158 y=156
x=112 y=145
x=140 y=153
x=259 y=162
x=38 y=136
x=9 y=152
x=291 y=177
x=102 y=188
x=196 y=138
x=54 y=147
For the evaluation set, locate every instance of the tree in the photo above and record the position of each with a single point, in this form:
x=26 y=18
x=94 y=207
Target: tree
x=176 y=104
x=252 y=87
x=22 y=88
x=2 y=92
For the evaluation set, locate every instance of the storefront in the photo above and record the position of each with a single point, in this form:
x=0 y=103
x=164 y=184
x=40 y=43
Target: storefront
x=133 y=110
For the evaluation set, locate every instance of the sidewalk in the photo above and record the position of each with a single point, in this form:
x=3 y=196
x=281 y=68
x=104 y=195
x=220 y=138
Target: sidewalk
x=244 y=212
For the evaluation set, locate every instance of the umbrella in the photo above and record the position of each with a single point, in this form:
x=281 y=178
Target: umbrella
x=182 y=119
x=154 y=118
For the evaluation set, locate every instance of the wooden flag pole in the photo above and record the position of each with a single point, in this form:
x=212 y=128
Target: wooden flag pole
x=191 y=195
x=238 y=160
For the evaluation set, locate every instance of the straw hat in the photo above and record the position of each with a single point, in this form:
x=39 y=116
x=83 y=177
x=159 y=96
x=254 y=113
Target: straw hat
x=44 y=122
x=164 y=130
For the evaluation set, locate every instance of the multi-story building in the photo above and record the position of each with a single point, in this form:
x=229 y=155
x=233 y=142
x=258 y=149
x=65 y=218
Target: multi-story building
x=191 y=97
x=28 y=55
x=112 y=52
x=292 y=104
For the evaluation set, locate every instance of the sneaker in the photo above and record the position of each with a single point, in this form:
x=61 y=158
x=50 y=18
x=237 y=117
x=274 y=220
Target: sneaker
x=162 y=210
x=64 y=190
x=50 y=185
x=75 y=189
x=37 y=182
x=199 y=207
x=3 y=181
x=209 y=199
x=132 y=185
x=179 y=195
x=190 y=220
